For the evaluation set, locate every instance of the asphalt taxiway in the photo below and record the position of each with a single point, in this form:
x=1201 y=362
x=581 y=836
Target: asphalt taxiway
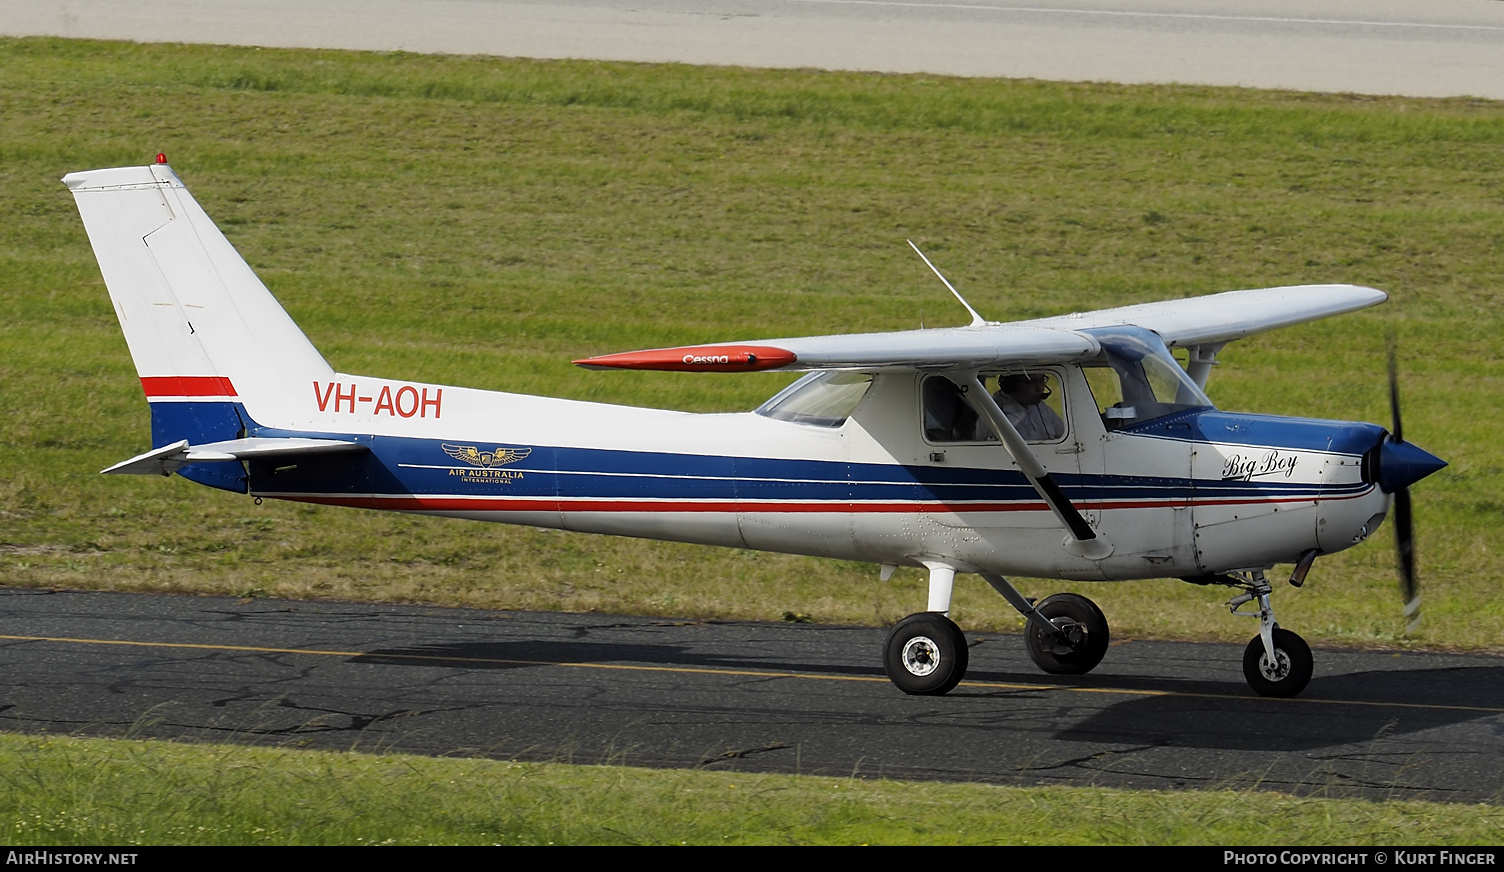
x=590 y=688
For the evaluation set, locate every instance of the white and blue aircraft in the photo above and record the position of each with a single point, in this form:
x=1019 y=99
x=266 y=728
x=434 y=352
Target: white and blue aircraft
x=1072 y=447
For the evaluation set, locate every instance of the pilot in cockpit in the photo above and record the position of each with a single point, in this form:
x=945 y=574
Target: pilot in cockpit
x=1021 y=396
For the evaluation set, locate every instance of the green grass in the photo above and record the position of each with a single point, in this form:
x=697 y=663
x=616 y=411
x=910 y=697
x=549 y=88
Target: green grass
x=482 y=222
x=70 y=791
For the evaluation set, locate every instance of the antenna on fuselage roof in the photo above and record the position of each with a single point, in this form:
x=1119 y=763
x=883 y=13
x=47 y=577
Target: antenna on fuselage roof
x=976 y=320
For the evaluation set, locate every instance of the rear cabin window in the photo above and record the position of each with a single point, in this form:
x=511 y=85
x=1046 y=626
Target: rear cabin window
x=820 y=399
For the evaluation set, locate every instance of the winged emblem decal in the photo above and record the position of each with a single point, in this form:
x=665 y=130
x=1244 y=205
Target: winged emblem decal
x=486 y=459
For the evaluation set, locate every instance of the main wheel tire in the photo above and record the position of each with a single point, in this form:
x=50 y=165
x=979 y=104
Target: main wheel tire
x=1084 y=624
x=925 y=654
x=1288 y=675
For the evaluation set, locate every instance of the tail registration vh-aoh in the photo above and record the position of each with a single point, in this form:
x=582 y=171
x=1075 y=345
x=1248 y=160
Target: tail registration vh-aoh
x=1072 y=447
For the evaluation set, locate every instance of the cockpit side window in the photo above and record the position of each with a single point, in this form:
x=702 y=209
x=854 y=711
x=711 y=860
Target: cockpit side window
x=1030 y=399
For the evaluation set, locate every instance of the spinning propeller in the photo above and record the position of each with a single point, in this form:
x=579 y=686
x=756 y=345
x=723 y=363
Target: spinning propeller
x=1401 y=464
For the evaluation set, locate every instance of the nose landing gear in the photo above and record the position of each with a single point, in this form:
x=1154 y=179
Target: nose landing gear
x=1277 y=662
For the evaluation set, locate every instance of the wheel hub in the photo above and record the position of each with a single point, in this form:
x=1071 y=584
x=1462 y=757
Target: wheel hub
x=1075 y=634
x=921 y=656
x=1071 y=639
x=1276 y=670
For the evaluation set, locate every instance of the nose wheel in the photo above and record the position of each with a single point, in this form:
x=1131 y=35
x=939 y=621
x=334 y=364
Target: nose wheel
x=925 y=654
x=1287 y=673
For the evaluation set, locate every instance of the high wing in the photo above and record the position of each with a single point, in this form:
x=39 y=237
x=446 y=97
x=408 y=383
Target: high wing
x=1213 y=319
x=945 y=348
x=1220 y=318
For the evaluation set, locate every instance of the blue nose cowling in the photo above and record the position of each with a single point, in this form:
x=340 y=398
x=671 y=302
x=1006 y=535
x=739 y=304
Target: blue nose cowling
x=1402 y=464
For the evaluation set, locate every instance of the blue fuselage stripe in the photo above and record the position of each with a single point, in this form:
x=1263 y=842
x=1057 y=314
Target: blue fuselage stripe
x=404 y=466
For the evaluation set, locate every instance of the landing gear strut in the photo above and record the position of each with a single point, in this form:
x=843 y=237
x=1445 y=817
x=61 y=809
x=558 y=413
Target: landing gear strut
x=926 y=653
x=1277 y=662
x=1066 y=634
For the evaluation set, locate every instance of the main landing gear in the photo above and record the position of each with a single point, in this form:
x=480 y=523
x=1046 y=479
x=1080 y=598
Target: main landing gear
x=926 y=653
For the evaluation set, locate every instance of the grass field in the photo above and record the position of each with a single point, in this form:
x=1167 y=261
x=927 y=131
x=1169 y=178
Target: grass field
x=484 y=221
x=69 y=791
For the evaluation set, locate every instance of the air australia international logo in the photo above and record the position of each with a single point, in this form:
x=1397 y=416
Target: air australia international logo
x=486 y=459
x=486 y=463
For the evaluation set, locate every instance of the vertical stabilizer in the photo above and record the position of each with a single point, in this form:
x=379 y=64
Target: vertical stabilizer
x=215 y=351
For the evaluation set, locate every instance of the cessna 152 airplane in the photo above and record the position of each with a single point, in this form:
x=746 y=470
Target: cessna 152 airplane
x=1073 y=447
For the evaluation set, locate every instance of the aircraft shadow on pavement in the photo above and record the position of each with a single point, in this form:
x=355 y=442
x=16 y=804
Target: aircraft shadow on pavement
x=1334 y=710
x=538 y=653
x=1337 y=709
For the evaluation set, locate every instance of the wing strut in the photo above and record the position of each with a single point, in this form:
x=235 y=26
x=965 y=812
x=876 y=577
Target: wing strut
x=1083 y=541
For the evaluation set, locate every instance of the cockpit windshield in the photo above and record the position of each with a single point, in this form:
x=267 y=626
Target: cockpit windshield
x=1137 y=379
x=820 y=399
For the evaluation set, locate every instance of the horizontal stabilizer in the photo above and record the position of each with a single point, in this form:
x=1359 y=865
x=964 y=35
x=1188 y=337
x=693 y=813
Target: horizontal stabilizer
x=170 y=458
